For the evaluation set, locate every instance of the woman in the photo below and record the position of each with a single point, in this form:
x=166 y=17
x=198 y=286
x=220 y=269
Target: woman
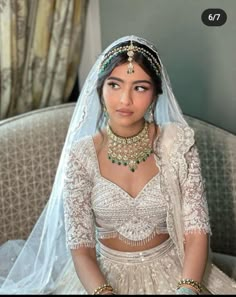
x=136 y=215
x=130 y=188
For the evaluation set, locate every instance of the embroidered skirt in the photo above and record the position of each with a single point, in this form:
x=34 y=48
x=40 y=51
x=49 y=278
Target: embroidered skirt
x=154 y=271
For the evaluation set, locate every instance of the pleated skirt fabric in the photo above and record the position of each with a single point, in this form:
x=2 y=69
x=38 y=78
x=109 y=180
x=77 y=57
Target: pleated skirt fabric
x=154 y=271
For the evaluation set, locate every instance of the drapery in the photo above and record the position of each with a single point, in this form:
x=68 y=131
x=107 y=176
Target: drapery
x=40 y=50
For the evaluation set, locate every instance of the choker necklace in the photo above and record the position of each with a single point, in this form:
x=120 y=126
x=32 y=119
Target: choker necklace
x=129 y=151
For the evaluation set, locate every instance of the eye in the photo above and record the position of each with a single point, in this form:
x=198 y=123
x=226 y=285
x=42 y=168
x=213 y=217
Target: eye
x=141 y=88
x=113 y=85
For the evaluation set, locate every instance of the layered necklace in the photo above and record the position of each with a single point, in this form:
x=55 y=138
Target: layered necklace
x=129 y=151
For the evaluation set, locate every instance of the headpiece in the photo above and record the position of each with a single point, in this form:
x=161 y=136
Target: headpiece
x=131 y=49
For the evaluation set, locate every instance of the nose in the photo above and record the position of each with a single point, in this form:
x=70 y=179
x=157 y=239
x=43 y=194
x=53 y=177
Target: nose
x=126 y=97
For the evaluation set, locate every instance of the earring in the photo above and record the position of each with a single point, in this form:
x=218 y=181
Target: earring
x=150 y=115
x=105 y=112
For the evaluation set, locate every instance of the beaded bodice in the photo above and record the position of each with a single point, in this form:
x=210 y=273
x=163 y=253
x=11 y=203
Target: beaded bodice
x=133 y=220
x=96 y=207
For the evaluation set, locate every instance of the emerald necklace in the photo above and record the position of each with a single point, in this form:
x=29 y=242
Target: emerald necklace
x=129 y=151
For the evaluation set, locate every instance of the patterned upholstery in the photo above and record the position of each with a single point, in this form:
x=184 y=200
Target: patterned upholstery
x=30 y=149
x=217 y=149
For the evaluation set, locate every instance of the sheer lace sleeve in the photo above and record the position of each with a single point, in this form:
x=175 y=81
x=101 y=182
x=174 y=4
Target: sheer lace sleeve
x=195 y=208
x=79 y=219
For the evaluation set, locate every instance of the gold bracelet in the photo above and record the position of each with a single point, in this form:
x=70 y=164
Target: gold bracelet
x=191 y=282
x=102 y=288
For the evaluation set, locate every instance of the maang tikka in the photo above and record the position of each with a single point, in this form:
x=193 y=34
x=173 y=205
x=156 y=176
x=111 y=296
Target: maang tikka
x=130 y=54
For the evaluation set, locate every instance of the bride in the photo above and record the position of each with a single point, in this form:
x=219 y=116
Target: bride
x=128 y=212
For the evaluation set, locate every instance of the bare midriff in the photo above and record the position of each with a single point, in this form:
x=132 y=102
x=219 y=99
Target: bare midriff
x=120 y=245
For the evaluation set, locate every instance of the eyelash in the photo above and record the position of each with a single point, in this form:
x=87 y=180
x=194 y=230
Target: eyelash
x=115 y=85
x=142 y=87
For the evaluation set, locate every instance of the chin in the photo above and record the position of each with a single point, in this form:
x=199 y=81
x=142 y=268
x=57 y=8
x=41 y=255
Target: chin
x=126 y=121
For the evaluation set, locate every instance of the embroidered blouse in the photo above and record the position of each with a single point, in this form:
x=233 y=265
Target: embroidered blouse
x=95 y=207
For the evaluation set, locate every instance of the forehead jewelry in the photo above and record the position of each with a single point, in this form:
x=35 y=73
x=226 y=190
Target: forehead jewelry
x=130 y=50
x=130 y=54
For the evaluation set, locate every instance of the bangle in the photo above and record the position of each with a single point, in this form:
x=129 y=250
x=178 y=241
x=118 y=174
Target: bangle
x=102 y=288
x=107 y=293
x=185 y=291
x=187 y=281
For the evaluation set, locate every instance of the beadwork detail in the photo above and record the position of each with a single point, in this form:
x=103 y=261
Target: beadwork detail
x=129 y=151
x=130 y=49
x=130 y=54
x=190 y=282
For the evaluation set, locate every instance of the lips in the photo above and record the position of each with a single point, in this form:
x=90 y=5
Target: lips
x=124 y=111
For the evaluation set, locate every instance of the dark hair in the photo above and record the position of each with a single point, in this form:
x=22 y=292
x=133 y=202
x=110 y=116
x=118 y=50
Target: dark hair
x=122 y=58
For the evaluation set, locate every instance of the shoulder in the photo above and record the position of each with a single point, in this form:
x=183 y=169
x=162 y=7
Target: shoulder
x=81 y=149
x=82 y=144
x=81 y=155
x=176 y=138
x=176 y=130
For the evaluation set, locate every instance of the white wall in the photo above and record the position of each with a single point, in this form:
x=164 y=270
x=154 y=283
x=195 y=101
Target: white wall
x=200 y=59
x=92 y=41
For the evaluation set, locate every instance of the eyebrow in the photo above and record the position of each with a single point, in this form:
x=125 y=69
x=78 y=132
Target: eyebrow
x=134 y=82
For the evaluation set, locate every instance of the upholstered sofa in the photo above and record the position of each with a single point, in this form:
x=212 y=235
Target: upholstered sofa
x=30 y=148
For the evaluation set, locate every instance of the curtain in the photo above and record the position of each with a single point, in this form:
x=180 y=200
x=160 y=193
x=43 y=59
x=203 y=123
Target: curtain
x=40 y=50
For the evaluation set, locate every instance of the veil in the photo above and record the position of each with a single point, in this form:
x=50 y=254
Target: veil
x=45 y=253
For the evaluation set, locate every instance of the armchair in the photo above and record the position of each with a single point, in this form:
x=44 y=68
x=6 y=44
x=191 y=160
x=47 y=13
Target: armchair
x=30 y=148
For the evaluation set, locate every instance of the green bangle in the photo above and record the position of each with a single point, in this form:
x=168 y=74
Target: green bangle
x=185 y=291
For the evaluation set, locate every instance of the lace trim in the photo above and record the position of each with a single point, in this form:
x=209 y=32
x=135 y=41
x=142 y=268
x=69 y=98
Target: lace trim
x=138 y=242
x=74 y=246
x=115 y=234
x=107 y=234
x=199 y=230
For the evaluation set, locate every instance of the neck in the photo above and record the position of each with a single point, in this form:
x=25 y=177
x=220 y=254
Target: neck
x=127 y=131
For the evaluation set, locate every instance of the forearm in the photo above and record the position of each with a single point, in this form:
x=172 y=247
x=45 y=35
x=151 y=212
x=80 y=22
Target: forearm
x=195 y=259
x=88 y=271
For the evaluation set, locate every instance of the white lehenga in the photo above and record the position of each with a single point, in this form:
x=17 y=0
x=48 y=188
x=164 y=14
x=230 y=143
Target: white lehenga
x=155 y=271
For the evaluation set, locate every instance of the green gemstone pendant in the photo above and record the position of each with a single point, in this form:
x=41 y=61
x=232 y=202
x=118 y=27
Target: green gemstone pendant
x=129 y=151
